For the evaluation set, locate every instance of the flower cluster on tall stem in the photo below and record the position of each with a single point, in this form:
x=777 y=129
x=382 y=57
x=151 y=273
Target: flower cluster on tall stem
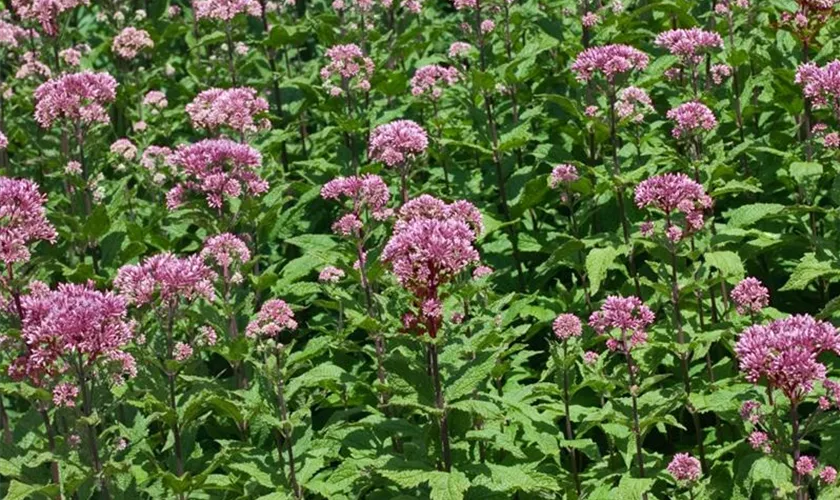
x=432 y=243
x=274 y=318
x=567 y=327
x=398 y=145
x=630 y=317
x=784 y=353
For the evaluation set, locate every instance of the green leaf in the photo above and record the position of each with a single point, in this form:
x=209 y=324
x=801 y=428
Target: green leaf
x=808 y=269
x=598 y=260
x=448 y=485
x=465 y=383
x=802 y=171
x=728 y=263
x=747 y=215
x=631 y=487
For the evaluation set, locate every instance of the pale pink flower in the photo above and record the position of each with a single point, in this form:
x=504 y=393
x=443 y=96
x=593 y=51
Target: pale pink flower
x=481 y=272
x=71 y=56
x=32 y=66
x=227 y=251
x=590 y=357
x=23 y=217
x=562 y=174
x=217 y=168
x=155 y=99
x=633 y=104
x=609 y=60
x=274 y=317
x=166 y=278
x=65 y=394
x=131 y=41
x=347 y=63
x=124 y=148
x=225 y=10
x=397 y=143
x=720 y=72
x=684 y=468
x=237 y=108
x=4 y=142
x=73 y=168
x=629 y=315
x=759 y=441
x=431 y=80
x=487 y=26
x=330 y=274
x=806 y=465
x=182 y=352
x=46 y=12
x=673 y=194
x=566 y=326
x=459 y=49
x=689 y=44
x=691 y=118
x=12 y=35
x=590 y=19
x=77 y=97
x=828 y=474
x=750 y=296
x=207 y=336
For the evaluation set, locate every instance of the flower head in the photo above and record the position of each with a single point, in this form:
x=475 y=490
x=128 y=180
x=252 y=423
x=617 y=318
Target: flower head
x=218 y=168
x=225 y=10
x=828 y=474
x=124 y=148
x=566 y=326
x=226 y=250
x=629 y=315
x=330 y=274
x=22 y=219
x=46 y=12
x=366 y=192
x=785 y=353
x=609 y=60
x=821 y=85
x=350 y=66
x=78 y=97
x=397 y=143
x=237 y=108
x=131 y=41
x=684 y=468
x=674 y=193
x=166 y=277
x=805 y=465
x=431 y=80
x=689 y=44
x=563 y=174
x=750 y=296
x=691 y=118
x=274 y=317
x=633 y=104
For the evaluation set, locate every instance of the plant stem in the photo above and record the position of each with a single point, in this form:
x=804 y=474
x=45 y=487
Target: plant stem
x=797 y=479
x=4 y=422
x=569 y=433
x=54 y=468
x=625 y=224
x=87 y=411
x=231 y=64
x=440 y=404
x=172 y=379
x=287 y=434
x=632 y=378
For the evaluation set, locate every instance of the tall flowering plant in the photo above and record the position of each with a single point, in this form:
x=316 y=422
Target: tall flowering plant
x=431 y=244
x=784 y=355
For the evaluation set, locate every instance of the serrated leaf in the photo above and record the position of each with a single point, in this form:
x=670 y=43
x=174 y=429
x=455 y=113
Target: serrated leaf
x=598 y=260
x=448 y=485
x=728 y=263
x=747 y=215
x=807 y=270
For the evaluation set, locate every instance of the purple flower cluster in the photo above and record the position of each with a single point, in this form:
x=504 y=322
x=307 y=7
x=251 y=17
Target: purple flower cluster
x=691 y=118
x=166 y=278
x=238 y=108
x=348 y=63
x=609 y=60
x=78 y=97
x=397 y=143
x=750 y=296
x=274 y=317
x=684 y=468
x=675 y=193
x=566 y=326
x=821 y=85
x=73 y=323
x=785 y=353
x=689 y=44
x=46 y=12
x=633 y=104
x=217 y=168
x=431 y=80
x=22 y=219
x=225 y=10
x=629 y=315
x=130 y=41
x=368 y=193
x=562 y=174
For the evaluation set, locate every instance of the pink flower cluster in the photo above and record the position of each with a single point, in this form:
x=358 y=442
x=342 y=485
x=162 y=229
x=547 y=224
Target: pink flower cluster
x=691 y=118
x=130 y=41
x=11 y=35
x=216 y=168
x=166 y=278
x=330 y=274
x=821 y=85
x=225 y=10
x=633 y=104
x=73 y=322
x=155 y=99
x=720 y=72
x=78 y=97
x=124 y=148
x=684 y=468
x=431 y=80
x=46 y=12
x=459 y=49
x=397 y=143
x=367 y=192
x=431 y=244
x=629 y=315
x=674 y=193
x=22 y=219
x=689 y=44
x=785 y=353
x=750 y=296
x=609 y=60
x=562 y=174
x=566 y=326
x=348 y=63
x=226 y=250
x=4 y=141
x=237 y=108
x=274 y=317
x=32 y=66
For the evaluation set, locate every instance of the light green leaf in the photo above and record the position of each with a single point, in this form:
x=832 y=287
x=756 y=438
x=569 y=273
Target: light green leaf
x=728 y=263
x=808 y=269
x=598 y=260
x=747 y=215
x=448 y=485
